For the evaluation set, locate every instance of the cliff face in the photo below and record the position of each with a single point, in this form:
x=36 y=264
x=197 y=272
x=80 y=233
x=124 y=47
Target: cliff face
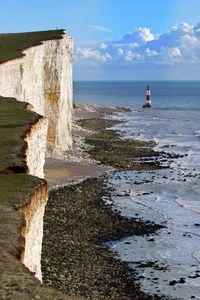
x=35 y=147
x=32 y=230
x=33 y=211
x=26 y=132
x=27 y=194
x=43 y=77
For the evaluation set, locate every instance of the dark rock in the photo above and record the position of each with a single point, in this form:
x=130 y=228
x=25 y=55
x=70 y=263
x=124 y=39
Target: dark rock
x=173 y=282
x=182 y=280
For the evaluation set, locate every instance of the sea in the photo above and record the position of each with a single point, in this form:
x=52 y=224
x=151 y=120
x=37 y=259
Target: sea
x=168 y=262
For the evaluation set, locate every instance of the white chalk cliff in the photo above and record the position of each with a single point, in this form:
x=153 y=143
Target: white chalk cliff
x=43 y=77
x=35 y=150
x=32 y=230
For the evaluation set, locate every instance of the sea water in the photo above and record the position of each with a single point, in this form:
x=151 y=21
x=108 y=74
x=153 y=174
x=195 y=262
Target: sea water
x=168 y=262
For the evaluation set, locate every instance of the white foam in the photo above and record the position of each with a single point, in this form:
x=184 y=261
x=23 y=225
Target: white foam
x=197 y=132
x=196 y=255
x=155 y=140
x=169 y=195
x=191 y=205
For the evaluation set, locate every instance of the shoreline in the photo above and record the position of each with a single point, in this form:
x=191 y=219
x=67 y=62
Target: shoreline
x=75 y=165
x=70 y=217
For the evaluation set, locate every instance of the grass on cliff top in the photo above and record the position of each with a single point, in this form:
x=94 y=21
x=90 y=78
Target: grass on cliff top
x=15 y=189
x=12 y=44
x=14 y=121
x=15 y=280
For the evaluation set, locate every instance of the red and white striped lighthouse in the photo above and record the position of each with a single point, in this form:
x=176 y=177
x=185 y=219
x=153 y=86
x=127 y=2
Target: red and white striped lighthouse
x=148 y=98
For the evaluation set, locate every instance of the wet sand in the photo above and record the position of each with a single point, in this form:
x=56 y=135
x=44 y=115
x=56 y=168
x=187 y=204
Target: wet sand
x=75 y=165
x=61 y=173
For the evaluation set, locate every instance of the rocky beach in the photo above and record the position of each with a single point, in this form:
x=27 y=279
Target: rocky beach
x=80 y=218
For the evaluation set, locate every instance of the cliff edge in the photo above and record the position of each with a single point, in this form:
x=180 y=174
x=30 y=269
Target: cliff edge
x=36 y=67
x=22 y=202
x=22 y=199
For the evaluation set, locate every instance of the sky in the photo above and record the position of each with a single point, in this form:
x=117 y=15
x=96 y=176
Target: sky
x=118 y=40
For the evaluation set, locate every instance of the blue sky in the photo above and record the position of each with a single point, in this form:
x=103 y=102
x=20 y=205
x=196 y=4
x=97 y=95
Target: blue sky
x=98 y=25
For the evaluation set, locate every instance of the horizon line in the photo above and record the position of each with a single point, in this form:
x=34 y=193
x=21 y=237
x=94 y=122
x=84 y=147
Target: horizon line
x=131 y=80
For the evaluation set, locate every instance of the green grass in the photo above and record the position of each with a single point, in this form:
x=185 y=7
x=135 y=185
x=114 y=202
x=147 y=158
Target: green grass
x=16 y=188
x=12 y=44
x=14 y=121
x=16 y=283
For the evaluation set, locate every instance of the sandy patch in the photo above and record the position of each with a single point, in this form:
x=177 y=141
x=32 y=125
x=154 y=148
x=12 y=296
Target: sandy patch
x=61 y=172
x=75 y=165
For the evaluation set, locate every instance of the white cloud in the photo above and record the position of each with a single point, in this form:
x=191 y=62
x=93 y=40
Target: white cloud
x=171 y=52
x=181 y=44
x=174 y=52
x=89 y=53
x=149 y=52
x=103 y=46
x=133 y=45
x=183 y=27
x=197 y=30
x=190 y=47
x=100 y=28
x=107 y=56
x=131 y=56
x=138 y=36
x=120 y=51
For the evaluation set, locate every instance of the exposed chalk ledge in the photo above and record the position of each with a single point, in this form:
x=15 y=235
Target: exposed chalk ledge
x=35 y=147
x=35 y=141
x=32 y=230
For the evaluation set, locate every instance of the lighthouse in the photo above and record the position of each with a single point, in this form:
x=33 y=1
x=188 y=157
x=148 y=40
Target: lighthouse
x=148 y=98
